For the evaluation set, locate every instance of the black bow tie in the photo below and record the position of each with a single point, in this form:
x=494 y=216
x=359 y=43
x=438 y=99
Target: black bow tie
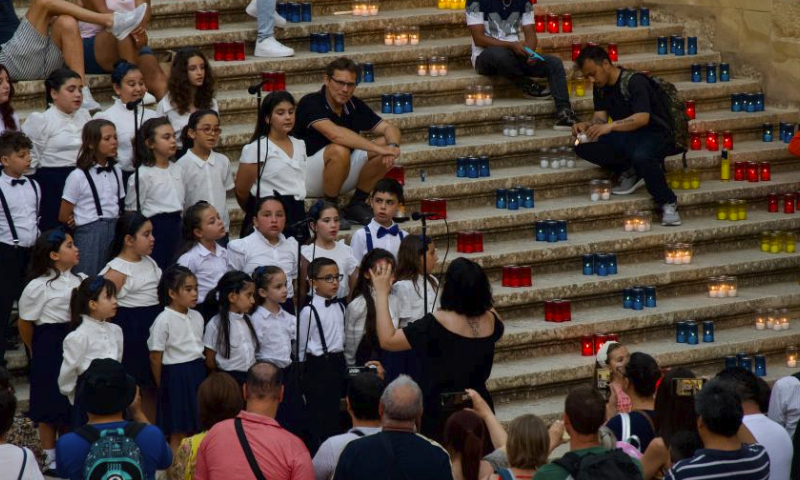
x=107 y=168
x=394 y=230
x=332 y=301
x=15 y=182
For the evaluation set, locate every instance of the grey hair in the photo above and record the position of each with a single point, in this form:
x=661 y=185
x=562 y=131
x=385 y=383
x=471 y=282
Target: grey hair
x=402 y=400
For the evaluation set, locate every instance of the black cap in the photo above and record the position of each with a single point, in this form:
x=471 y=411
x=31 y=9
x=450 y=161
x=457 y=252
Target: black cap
x=105 y=388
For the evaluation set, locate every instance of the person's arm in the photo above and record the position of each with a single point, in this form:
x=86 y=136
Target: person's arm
x=302 y=282
x=348 y=138
x=655 y=457
x=531 y=40
x=390 y=338
x=598 y=118
x=496 y=431
x=627 y=124
x=211 y=362
x=65 y=213
x=25 y=328
x=74 y=349
x=117 y=278
x=390 y=132
x=155 y=366
x=482 y=40
x=245 y=178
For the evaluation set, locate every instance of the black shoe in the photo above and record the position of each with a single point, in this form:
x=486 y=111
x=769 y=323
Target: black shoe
x=534 y=90
x=565 y=120
x=344 y=224
x=358 y=212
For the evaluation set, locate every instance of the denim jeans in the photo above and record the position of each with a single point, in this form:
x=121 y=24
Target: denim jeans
x=500 y=61
x=266 y=18
x=642 y=149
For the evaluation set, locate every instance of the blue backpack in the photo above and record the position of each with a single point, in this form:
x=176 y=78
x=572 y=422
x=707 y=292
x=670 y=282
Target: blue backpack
x=114 y=454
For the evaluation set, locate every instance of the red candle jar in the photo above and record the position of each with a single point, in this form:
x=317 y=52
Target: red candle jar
x=772 y=203
x=539 y=23
x=587 y=345
x=523 y=277
x=765 y=170
x=752 y=171
x=599 y=340
x=508 y=275
x=727 y=140
x=788 y=203
x=533 y=2
x=691 y=109
x=280 y=80
x=219 y=51
x=398 y=172
x=230 y=51
x=563 y=310
x=436 y=206
x=739 y=171
x=213 y=20
x=200 y=20
x=612 y=337
x=549 y=313
x=552 y=23
x=238 y=49
x=576 y=50
x=566 y=23
x=712 y=141
x=613 y=52
x=269 y=84
x=477 y=242
x=696 y=143
x=464 y=242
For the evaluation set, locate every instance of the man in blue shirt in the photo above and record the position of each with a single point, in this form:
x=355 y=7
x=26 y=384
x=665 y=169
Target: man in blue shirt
x=106 y=391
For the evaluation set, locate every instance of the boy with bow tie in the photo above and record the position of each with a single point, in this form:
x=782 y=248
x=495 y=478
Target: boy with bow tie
x=381 y=232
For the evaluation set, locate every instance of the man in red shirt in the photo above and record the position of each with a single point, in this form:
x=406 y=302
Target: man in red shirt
x=277 y=454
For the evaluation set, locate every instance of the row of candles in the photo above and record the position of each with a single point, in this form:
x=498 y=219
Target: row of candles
x=473 y=167
x=397 y=103
x=206 y=20
x=401 y=36
x=276 y=80
x=294 y=12
x=743 y=360
x=687 y=331
x=630 y=17
x=600 y=264
x=733 y=210
x=437 y=207
x=514 y=198
x=553 y=23
x=637 y=221
x=785 y=133
x=515 y=276
x=441 y=135
x=321 y=42
x=520 y=126
x=678 y=253
x=722 y=287
x=433 y=66
x=451 y=4
x=611 y=48
x=229 y=51
x=639 y=297
x=676 y=45
x=591 y=344
x=365 y=8
x=479 y=96
x=688 y=179
x=469 y=242
x=747 y=102
x=709 y=138
x=550 y=231
x=772 y=319
x=557 y=310
x=777 y=242
x=724 y=74
x=599 y=190
x=752 y=171
x=791 y=202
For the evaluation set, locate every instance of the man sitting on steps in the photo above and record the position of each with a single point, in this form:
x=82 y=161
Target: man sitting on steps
x=636 y=141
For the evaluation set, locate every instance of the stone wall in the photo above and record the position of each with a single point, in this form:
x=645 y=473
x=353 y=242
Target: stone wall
x=758 y=37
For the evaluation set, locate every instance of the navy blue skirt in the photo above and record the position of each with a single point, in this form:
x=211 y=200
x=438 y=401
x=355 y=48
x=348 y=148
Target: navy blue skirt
x=167 y=232
x=48 y=405
x=51 y=185
x=79 y=416
x=135 y=324
x=292 y=413
x=177 y=397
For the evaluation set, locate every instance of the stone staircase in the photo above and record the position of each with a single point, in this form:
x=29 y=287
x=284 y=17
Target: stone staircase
x=537 y=362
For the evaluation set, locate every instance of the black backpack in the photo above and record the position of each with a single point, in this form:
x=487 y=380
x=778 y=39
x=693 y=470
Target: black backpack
x=611 y=465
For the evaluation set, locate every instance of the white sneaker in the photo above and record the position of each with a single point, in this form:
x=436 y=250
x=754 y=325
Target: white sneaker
x=89 y=103
x=271 y=48
x=148 y=99
x=252 y=10
x=126 y=22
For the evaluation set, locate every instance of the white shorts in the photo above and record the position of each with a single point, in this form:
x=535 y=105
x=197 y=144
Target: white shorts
x=315 y=167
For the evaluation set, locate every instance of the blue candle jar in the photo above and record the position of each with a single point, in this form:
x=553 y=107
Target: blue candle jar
x=680 y=332
x=745 y=362
x=461 y=167
x=711 y=73
x=691 y=45
x=633 y=17
x=359 y=72
x=736 y=102
x=680 y=47
x=761 y=366
x=483 y=164
x=552 y=231
x=766 y=132
x=397 y=103
x=663 y=48
x=588 y=265
x=650 y=296
x=740 y=356
x=324 y=45
x=431 y=129
x=472 y=167
x=708 y=332
x=724 y=72
x=283 y=9
x=450 y=135
x=782 y=131
x=612 y=263
x=501 y=198
x=730 y=361
x=513 y=199
x=295 y=13
x=369 y=72
x=622 y=18
x=386 y=107
x=759 y=101
x=306 y=11
x=562 y=230
x=638 y=298
x=338 y=42
x=527 y=198
x=601 y=264
x=644 y=17
x=441 y=137
x=692 y=334
x=672 y=43
x=787 y=137
x=627 y=298
x=408 y=103
x=697 y=73
x=314 y=44
x=749 y=102
x=540 y=231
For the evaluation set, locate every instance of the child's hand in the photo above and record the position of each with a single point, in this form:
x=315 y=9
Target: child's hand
x=381 y=371
x=382 y=278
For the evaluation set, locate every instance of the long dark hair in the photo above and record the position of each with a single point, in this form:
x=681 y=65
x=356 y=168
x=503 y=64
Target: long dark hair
x=186 y=141
x=192 y=220
x=89 y=290
x=172 y=280
x=464 y=434
x=178 y=84
x=363 y=287
x=56 y=80
x=90 y=138
x=6 y=109
x=232 y=282
x=128 y=224
x=409 y=261
x=262 y=276
x=41 y=263
x=674 y=412
x=265 y=111
x=145 y=155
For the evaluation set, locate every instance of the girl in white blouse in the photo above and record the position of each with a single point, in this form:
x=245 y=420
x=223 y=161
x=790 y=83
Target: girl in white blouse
x=93 y=195
x=128 y=83
x=176 y=355
x=156 y=190
x=136 y=276
x=190 y=88
x=56 y=136
x=230 y=340
x=8 y=119
x=43 y=326
x=91 y=307
x=283 y=162
x=409 y=278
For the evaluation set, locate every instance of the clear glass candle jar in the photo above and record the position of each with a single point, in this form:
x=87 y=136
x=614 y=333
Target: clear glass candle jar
x=470 y=96
x=510 y=126
x=526 y=126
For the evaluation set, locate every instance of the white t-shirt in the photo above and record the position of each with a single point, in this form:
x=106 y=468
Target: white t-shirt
x=11 y=460
x=331 y=318
x=412 y=300
x=161 y=190
x=242 y=354
x=166 y=108
x=776 y=441
x=141 y=281
x=123 y=120
x=388 y=242
x=253 y=251
x=56 y=137
x=342 y=254
x=110 y=190
x=179 y=336
x=283 y=173
x=500 y=20
x=91 y=340
x=207 y=180
x=46 y=301
x=207 y=266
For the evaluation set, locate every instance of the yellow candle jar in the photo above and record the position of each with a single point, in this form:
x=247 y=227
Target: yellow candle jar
x=741 y=207
x=722 y=210
x=775 y=242
x=765 y=241
x=789 y=242
x=733 y=211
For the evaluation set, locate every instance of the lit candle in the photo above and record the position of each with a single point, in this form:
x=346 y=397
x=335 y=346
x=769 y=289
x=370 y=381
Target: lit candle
x=629 y=225
x=613 y=52
x=669 y=255
x=791 y=356
x=433 y=67
x=422 y=66
x=761 y=322
x=539 y=21
x=401 y=38
x=388 y=37
x=470 y=96
x=712 y=141
x=691 y=111
x=442 y=66
x=413 y=35
x=576 y=50
x=727 y=140
x=372 y=9
x=784 y=320
x=566 y=23
x=488 y=95
x=479 y=100
x=552 y=23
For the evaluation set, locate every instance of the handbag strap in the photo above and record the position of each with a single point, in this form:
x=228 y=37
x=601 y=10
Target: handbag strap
x=248 y=452
x=24 y=462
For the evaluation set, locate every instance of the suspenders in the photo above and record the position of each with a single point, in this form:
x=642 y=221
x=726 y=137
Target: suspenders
x=319 y=328
x=7 y=211
x=370 y=247
x=95 y=195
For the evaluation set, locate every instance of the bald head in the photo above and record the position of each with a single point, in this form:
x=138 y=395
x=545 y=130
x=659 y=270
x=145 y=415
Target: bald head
x=264 y=381
x=402 y=400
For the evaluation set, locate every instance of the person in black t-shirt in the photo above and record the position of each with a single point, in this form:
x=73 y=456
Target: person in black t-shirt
x=498 y=51
x=339 y=158
x=633 y=145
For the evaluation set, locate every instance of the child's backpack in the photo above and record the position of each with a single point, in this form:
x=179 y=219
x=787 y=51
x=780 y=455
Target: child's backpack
x=114 y=454
x=610 y=465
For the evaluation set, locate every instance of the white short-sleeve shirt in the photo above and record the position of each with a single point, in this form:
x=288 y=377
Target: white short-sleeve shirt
x=78 y=192
x=284 y=173
x=253 y=251
x=93 y=339
x=141 y=281
x=387 y=242
x=56 y=137
x=123 y=119
x=412 y=301
x=342 y=254
x=208 y=180
x=275 y=335
x=178 y=335
x=161 y=189
x=45 y=300
x=243 y=349
x=207 y=266
x=332 y=320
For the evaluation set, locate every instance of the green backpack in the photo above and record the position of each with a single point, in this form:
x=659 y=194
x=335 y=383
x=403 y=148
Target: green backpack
x=114 y=453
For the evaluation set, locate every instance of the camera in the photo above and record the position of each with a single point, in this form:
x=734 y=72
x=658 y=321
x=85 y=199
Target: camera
x=602 y=381
x=455 y=400
x=354 y=371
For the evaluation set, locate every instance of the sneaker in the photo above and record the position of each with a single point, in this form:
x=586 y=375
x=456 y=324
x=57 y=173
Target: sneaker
x=534 y=90
x=358 y=212
x=628 y=183
x=252 y=10
x=126 y=22
x=669 y=215
x=89 y=103
x=566 y=120
x=344 y=224
x=148 y=99
x=272 y=48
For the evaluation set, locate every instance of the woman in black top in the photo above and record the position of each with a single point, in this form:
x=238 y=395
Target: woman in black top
x=455 y=343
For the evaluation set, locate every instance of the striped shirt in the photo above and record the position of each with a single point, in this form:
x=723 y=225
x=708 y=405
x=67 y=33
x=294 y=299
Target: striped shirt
x=748 y=463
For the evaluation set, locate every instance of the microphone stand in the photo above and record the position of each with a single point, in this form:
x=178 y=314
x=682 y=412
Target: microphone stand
x=136 y=128
x=424 y=254
x=261 y=164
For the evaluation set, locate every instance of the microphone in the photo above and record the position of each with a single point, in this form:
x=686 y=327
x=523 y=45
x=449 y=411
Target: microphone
x=253 y=89
x=419 y=215
x=132 y=105
x=302 y=222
